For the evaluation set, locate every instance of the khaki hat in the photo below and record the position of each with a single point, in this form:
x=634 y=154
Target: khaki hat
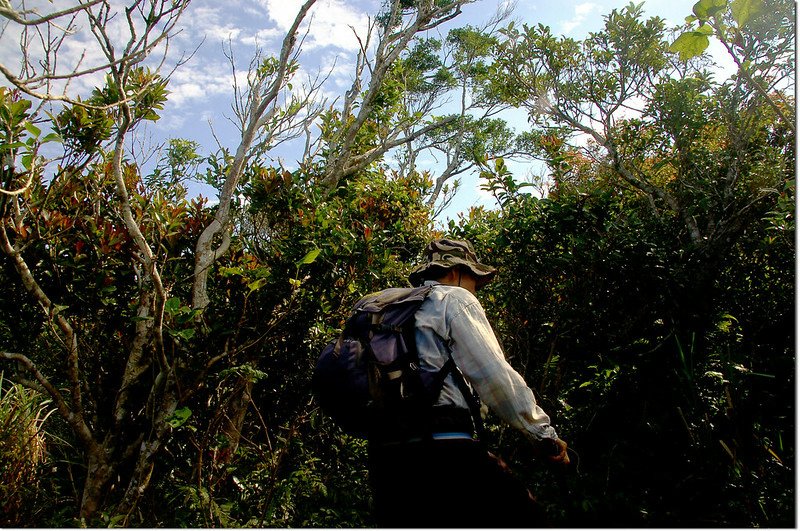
x=446 y=254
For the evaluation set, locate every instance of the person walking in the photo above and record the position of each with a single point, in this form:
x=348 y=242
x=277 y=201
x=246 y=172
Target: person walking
x=450 y=479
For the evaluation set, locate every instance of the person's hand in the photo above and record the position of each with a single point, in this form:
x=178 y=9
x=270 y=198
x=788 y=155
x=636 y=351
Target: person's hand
x=554 y=450
x=562 y=458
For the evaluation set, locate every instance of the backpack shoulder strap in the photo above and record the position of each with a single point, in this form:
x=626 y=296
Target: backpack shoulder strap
x=469 y=394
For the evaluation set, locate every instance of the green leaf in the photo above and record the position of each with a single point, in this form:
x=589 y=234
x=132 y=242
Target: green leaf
x=743 y=10
x=246 y=370
x=257 y=284
x=115 y=521
x=705 y=29
x=33 y=130
x=230 y=271
x=14 y=145
x=172 y=305
x=309 y=257
x=180 y=417
x=19 y=108
x=690 y=44
x=52 y=137
x=186 y=333
x=708 y=8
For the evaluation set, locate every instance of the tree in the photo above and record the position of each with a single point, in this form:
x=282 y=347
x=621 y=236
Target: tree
x=474 y=134
x=262 y=121
x=351 y=141
x=372 y=119
x=132 y=279
x=132 y=93
x=586 y=309
x=760 y=40
x=619 y=100
x=630 y=291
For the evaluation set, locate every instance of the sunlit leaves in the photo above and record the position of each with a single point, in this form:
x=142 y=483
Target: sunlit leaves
x=13 y=113
x=710 y=16
x=143 y=91
x=537 y=70
x=690 y=44
x=744 y=10
x=20 y=138
x=708 y=8
x=84 y=129
x=498 y=180
x=179 y=417
x=309 y=257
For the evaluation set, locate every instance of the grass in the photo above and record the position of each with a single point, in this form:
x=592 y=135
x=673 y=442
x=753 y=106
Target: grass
x=23 y=412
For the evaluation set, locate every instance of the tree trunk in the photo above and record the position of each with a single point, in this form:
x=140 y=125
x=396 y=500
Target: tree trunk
x=99 y=472
x=234 y=414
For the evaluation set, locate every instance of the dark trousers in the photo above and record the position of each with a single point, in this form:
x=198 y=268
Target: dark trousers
x=448 y=483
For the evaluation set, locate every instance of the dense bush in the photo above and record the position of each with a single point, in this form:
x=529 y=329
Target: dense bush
x=669 y=431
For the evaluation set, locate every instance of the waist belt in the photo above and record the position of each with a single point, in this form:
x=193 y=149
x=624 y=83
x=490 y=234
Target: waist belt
x=443 y=423
x=444 y=436
x=449 y=435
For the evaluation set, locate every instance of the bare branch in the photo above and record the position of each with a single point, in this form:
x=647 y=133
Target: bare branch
x=343 y=162
x=32 y=286
x=71 y=415
x=260 y=107
x=18 y=16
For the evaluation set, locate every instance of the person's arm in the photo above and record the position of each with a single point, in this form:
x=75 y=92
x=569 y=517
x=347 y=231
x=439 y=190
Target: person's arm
x=477 y=353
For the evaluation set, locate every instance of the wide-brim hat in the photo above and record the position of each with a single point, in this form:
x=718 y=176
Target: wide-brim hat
x=442 y=255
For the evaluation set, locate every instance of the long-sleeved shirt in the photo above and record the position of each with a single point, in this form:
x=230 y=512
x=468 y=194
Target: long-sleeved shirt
x=452 y=320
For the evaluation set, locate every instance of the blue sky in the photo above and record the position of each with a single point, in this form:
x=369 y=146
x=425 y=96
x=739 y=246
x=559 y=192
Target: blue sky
x=199 y=107
x=201 y=92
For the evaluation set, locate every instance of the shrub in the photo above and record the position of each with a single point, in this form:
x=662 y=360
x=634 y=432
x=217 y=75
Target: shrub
x=23 y=412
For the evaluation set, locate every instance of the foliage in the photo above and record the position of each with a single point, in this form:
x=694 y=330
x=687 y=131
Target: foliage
x=666 y=431
x=758 y=36
x=622 y=298
x=23 y=413
x=131 y=282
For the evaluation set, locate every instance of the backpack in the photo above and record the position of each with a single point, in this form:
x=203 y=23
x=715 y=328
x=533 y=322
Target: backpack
x=369 y=381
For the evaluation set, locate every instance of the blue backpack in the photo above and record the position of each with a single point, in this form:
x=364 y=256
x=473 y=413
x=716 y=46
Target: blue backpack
x=369 y=381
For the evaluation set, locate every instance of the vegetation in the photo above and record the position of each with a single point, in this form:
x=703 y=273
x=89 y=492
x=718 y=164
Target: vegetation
x=647 y=296
x=22 y=450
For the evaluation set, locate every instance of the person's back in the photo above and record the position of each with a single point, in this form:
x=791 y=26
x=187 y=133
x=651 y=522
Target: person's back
x=448 y=479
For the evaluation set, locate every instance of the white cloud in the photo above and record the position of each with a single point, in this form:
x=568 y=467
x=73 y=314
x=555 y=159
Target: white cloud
x=208 y=28
x=282 y=12
x=330 y=21
x=198 y=81
x=340 y=69
x=724 y=65
x=582 y=12
x=262 y=36
x=585 y=9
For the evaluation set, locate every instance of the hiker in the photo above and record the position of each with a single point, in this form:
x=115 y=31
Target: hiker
x=450 y=479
